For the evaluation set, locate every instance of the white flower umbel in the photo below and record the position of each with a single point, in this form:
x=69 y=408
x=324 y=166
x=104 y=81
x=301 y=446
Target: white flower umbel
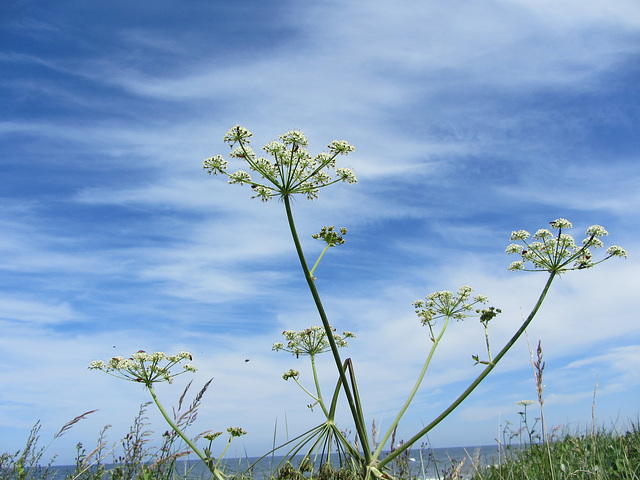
x=150 y=368
x=145 y=368
x=310 y=342
x=291 y=170
x=559 y=252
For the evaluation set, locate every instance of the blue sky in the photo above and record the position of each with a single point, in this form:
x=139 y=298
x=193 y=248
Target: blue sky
x=470 y=120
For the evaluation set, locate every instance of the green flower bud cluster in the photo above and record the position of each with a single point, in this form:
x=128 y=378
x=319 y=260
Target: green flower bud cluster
x=291 y=373
x=446 y=304
x=487 y=314
x=236 y=431
x=146 y=368
x=293 y=170
x=211 y=436
x=329 y=235
x=559 y=252
x=310 y=341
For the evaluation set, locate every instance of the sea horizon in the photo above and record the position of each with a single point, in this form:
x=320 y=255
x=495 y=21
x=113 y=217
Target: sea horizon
x=424 y=463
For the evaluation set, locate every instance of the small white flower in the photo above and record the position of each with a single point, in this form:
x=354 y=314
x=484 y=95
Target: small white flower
x=597 y=231
x=140 y=356
x=97 y=365
x=341 y=147
x=275 y=148
x=514 y=248
x=518 y=265
x=593 y=242
x=561 y=223
x=346 y=175
x=237 y=134
x=294 y=137
x=215 y=165
x=239 y=177
x=542 y=234
x=616 y=251
x=519 y=235
x=243 y=152
x=157 y=356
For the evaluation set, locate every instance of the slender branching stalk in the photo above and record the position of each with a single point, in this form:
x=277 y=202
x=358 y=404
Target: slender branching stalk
x=478 y=379
x=395 y=422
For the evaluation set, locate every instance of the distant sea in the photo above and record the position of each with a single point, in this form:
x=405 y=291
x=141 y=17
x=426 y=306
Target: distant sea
x=425 y=464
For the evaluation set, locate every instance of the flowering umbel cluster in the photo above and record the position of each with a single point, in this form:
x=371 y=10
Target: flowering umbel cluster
x=291 y=373
x=292 y=169
x=232 y=431
x=236 y=431
x=330 y=236
x=146 y=368
x=559 y=252
x=310 y=341
x=446 y=304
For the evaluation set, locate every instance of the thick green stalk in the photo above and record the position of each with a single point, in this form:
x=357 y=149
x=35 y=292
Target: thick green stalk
x=413 y=392
x=319 y=396
x=359 y=423
x=476 y=382
x=175 y=428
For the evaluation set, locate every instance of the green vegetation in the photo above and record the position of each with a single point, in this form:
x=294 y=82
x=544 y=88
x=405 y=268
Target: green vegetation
x=597 y=454
x=601 y=455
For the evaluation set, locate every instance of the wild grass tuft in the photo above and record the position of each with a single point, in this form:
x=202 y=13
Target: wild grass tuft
x=604 y=455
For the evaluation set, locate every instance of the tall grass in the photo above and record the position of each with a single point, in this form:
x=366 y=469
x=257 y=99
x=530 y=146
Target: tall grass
x=601 y=455
x=596 y=454
x=27 y=464
x=134 y=457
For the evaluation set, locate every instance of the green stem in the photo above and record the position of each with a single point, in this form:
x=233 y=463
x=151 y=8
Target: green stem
x=356 y=395
x=216 y=473
x=359 y=424
x=336 y=392
x=486 y=337
x=413 y=392
x=319 y=258
x=319 y=398
x=476 y=382
x=223 y=452
x=306 y=391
